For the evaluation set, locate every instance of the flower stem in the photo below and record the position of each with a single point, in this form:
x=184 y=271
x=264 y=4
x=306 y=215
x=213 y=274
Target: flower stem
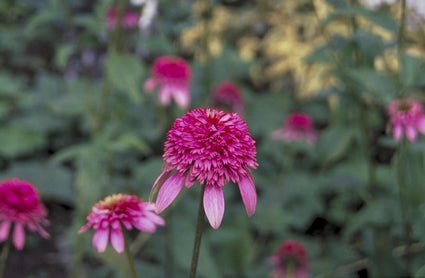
x=129 y=256
x=4 y=255
x=198 y=236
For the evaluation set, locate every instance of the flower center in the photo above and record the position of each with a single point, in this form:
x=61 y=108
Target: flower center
x=404 y=106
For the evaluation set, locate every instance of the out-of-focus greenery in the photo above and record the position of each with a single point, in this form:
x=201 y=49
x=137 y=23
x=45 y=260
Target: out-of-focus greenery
x=76 y=122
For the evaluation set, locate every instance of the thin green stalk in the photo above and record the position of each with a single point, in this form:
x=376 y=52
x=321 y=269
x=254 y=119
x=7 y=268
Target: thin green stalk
x=4 y=255
x=400 y=41
x=198 y=236
x=129 y=256
x=169 y=256
x=402 y=184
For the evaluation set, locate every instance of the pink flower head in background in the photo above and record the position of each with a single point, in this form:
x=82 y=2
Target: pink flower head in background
x=21 y=206
x=297 y=126
x=108 y=215
x=130 y=19
x=173 y=75
x=213 y=147
x=290 y=261
x=228 y=94
x=406 y=116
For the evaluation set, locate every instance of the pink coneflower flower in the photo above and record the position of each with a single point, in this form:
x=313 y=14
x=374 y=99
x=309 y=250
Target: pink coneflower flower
x=227 y=94
x=173 y=75
x=297 y=126
x=108 y=215
x=290 y=261
x=406 y=116
x=21 y=206
x=130 y=19
x=213 y=147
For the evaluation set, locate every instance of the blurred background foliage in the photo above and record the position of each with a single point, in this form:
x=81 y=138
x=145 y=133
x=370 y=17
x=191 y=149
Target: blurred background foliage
x=76 y=122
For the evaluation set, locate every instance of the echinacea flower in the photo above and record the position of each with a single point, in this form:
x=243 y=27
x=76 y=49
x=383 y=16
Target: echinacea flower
x=173 y=75
x=228 y=94
x=290 y=261
x=406 y=117
x=212 y=147
x=21 y=206
x=130 y=19
x=297 y=127
x=108 y=215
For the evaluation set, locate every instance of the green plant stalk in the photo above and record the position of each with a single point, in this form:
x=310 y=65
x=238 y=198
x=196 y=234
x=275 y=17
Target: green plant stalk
x=129 y=255
x=402 y=184
x=400 y=42
x=169 y=256
x=198 y=235
x=4 y=255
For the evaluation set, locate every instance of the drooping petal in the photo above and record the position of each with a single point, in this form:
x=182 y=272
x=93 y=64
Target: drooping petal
x=169 y=191
x=163 y=176
x=411 y=133
x=214 y=205
x=421 y=124
x=117 y=239
x=155 y=218
x=100 y=239
x=18 y=236
x=248 y=193
x=145 y=225
x=165 y=93
x=398 y=132
x=150 y=84
x=4 y=230
x=181 y=96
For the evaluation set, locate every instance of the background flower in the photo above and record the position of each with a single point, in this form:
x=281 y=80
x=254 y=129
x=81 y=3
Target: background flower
x=290 y=261
x=20 y=206
x=297 y=127
x=406 y=117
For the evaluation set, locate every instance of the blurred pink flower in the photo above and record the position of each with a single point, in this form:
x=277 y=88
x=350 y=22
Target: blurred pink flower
x=228 y=94
x=21 y=206
x=297 y=126
x=290 y=261
x=406 y=116
x=213 y=147
x=173 y=75
x=130 y=19
x=109 y=214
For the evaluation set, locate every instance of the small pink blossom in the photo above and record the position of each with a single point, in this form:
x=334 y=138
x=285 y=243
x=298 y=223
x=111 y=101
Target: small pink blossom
x=290 y=261
x=228 y=94
x=406 y=117
x=173 y=75
x=21 y=206
x=130 y=19
x=109 y=215
x=297 y=126
x=212 y=147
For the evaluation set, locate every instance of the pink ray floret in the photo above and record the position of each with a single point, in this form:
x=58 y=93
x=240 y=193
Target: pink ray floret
x=20 y=207
x=173 y=75
x=407 y=118
x=297 y=127
x=290 y=261
x=227 y=94
x=130 y=18
x=109 y=215
x=214 y=148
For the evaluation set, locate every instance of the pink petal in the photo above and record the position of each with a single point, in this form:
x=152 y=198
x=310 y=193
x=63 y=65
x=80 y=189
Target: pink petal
x=181 y=96
x=163 y=176
x=411 y=133
x=398 y=132
x=165 y=94
x=248 y=193
x=150 y=84
x=169 y=191
x=145 y=225
x=158 y=220
x=18 y=236
x=214 y=205
x=100 y=239
x=420 y=124
x=4 y=230
x=117 y=239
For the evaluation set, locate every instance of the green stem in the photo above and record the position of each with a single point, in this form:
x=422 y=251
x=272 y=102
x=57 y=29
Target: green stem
x=198 y=236
x=400 y=40
x=4 y=255
x=129 y=256
x=402 y=184
x=169 y=262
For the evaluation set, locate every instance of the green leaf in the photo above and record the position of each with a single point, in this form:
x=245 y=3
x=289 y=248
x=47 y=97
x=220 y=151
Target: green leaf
x=62 y=54
x=130 y=141
x=125 y=72
x=334 y=143
x=19 y=140
x=411 y=71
